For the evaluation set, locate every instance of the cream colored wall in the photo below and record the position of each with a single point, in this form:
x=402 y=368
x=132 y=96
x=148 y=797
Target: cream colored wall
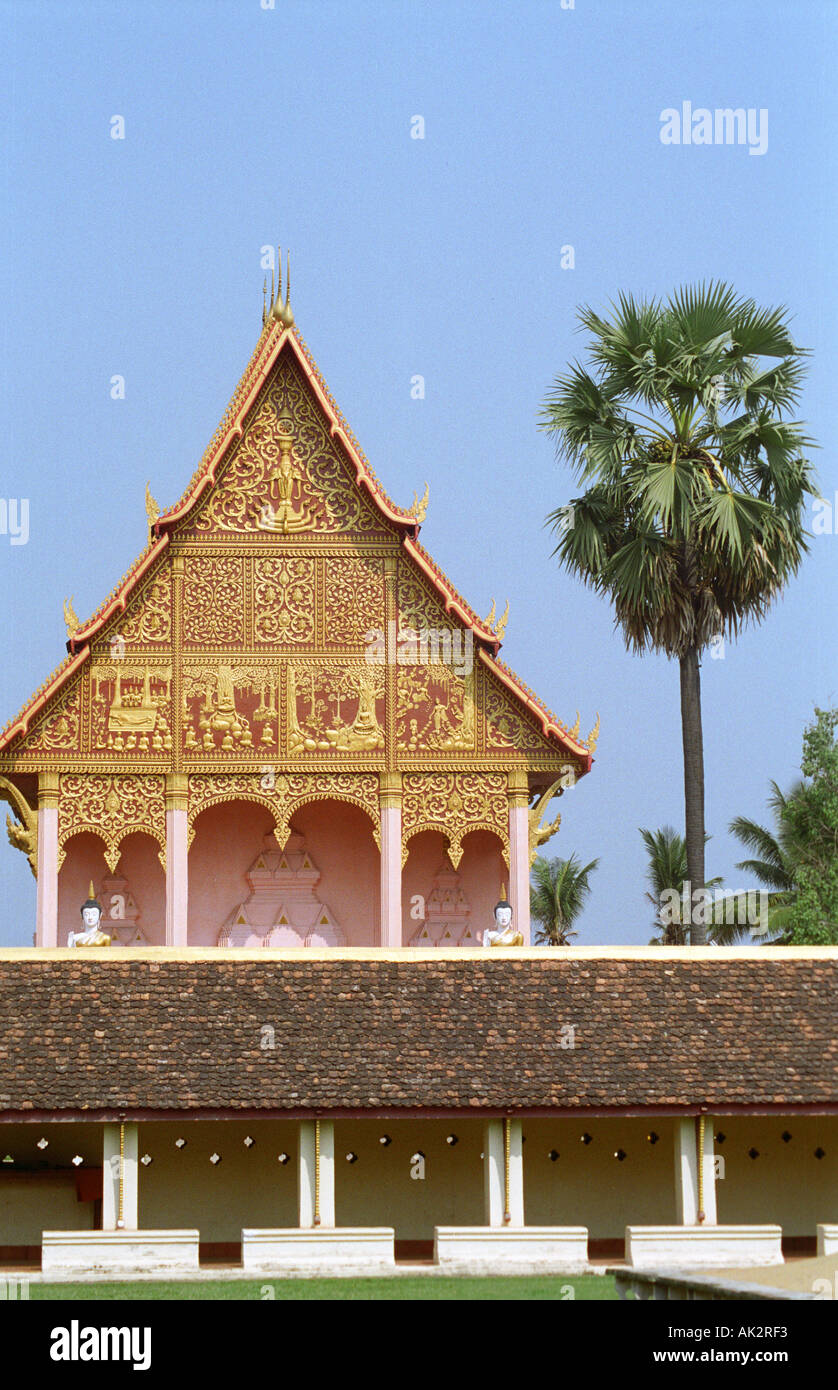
x=31 y=1202
x=249 y=1187
x=379 y=1191
x=585 y=1186
x=588 y=1186
x=786 y=1184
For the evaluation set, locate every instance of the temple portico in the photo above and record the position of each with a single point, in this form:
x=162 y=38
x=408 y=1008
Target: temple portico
x=180 y=871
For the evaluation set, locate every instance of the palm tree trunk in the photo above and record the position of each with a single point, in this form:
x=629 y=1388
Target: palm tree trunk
x=693 y=786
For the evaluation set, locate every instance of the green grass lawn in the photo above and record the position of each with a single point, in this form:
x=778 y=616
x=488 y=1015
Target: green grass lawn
x=556 y=1287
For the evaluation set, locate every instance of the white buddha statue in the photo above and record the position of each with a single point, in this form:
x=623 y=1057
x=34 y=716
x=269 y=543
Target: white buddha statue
x=504 y=933
x=90 y=935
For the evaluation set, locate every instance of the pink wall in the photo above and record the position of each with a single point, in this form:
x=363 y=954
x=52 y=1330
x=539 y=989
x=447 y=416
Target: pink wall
x=139 y=864
x=227 y=840
x=340 y=841
x=338 y=838
x=481 y=871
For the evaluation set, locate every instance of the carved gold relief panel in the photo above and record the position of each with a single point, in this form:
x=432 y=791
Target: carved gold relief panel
x=284 y=793
x=271 y=486
x=354 y=586
x=284 y=599
x=59 y=731
x=230 y=706
x=335 y=707
x=419 y=606
x=435 y=709
x=507 y=727
x=112 y=808
x=214 y=600
x=455 y=803
x=130 y=705
x=147 y=621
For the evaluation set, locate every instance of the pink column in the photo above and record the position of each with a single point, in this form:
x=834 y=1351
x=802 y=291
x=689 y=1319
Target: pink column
x=46 y=921
x=177 y=867
x=519 y=852
x=390 y=801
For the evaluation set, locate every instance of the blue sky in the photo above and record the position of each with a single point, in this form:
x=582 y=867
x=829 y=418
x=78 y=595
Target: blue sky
x=440 y=257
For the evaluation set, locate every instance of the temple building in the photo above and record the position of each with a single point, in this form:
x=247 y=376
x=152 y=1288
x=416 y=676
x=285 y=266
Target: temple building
x=296 y=792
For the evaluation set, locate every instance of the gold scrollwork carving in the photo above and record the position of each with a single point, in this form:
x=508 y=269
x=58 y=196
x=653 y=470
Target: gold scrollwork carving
x=111 y=808
x=284 y=599
x=455 y=803
x=283 y=793
x=354 y=599
x=321 y=492
x=213 y=600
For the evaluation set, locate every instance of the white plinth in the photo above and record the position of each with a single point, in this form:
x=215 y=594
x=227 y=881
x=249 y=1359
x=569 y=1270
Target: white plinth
x=319 y=1247
x=828 y=1240
x=559 y=1248
x=88 y=1251
x=683 y=1247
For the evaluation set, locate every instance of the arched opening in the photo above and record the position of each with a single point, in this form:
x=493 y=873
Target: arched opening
x=444 y=906
x=133 y=897
x=320 y=888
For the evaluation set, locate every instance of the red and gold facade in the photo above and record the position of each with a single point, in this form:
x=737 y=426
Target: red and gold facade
x=285 y=649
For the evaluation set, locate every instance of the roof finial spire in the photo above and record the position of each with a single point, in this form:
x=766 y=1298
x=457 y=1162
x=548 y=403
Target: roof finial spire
x=283 y=313
x=264 y=301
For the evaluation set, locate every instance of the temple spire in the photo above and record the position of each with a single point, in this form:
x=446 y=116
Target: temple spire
x=282 y=312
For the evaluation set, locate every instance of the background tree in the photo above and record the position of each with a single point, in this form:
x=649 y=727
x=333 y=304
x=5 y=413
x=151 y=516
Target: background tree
x=692 y=521
x=811 y=818
x=777 y=858
x=559 y=893
x=666 y=872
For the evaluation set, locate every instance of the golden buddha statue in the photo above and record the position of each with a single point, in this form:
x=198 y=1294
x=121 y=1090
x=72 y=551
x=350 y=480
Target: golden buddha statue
x=504 y=933
x=90 y=935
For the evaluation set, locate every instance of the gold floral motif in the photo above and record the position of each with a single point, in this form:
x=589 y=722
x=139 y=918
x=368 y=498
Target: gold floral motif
x=148 y=618
x=505 y=727
x=283 y=793
x=112 y=808
x=213 y=599
x=455 y=803
x=324 y=489
x=354 y=599
x=59 y=730
x=283 y=595
x=419 y=607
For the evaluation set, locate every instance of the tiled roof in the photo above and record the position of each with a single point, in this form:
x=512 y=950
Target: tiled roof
x=101 y=1033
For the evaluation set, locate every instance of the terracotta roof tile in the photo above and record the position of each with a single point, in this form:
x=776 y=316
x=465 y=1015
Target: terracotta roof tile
x=99 y=1034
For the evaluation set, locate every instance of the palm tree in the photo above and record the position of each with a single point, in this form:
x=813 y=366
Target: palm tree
x=561 y=888
x=666 y=872
x=692 y=521
x=779 y=856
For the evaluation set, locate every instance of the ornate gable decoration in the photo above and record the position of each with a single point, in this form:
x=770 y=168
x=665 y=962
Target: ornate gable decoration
x=284 y=618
